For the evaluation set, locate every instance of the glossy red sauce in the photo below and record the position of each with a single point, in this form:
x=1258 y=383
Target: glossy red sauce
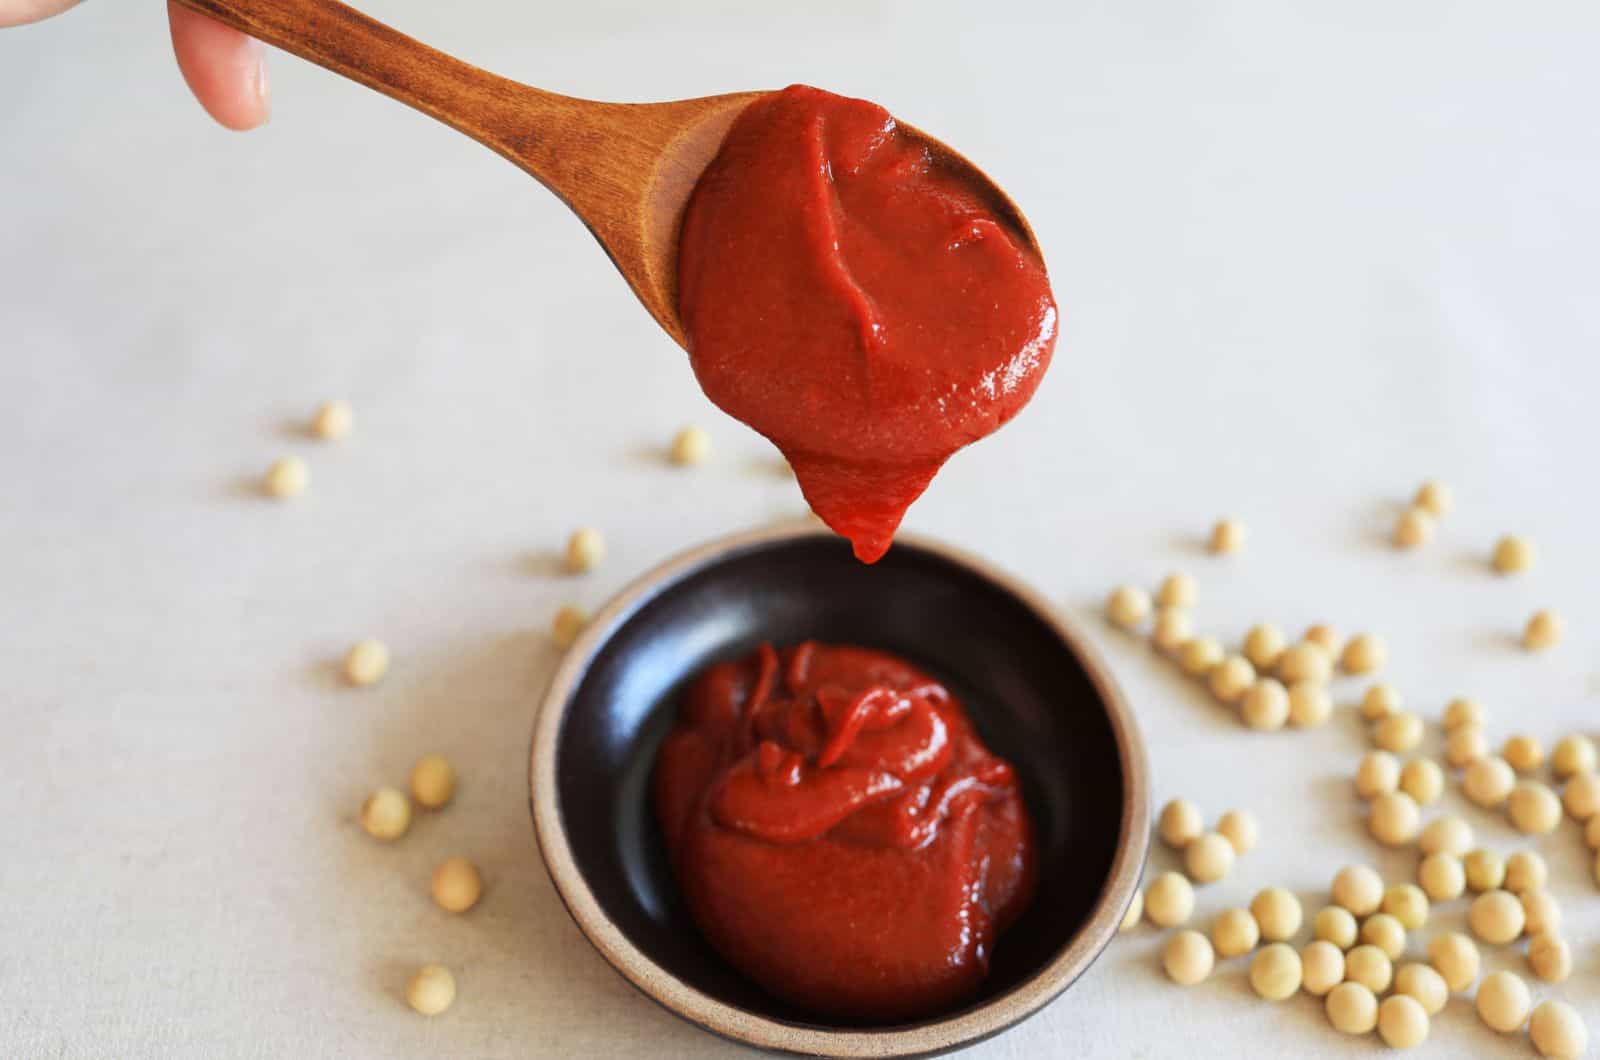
x=841 y=834
x=858 y=302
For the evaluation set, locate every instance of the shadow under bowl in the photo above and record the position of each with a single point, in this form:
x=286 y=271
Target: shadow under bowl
x=1037 y=692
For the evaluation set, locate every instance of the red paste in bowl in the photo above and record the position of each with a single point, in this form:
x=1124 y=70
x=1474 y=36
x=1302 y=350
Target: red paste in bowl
x=841 y=834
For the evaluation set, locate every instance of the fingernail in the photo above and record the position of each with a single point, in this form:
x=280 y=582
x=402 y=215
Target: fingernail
x=263 y=89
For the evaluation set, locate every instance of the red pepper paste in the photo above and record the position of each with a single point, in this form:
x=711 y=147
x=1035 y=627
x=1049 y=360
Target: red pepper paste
x=855 y=299
x=840 y=833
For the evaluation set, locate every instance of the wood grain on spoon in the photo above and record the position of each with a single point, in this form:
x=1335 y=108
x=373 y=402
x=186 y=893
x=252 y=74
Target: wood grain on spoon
x=626 y=169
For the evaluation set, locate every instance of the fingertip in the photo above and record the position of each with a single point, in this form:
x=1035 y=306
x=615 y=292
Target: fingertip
x=226 y=70
x=22 y=12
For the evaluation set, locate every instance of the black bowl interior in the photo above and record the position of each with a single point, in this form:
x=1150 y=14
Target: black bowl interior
x=1030 y=698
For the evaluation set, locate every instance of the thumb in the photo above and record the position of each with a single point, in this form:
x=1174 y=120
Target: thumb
x=225 y=69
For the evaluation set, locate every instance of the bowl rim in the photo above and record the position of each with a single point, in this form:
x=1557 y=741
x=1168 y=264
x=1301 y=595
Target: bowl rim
x=730 y=1021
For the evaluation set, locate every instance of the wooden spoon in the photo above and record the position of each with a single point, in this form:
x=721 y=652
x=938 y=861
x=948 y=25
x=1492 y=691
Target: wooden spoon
x=626 y=169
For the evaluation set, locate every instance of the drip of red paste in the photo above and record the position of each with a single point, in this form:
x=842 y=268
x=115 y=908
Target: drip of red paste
x=839 y=831
x=858 y=302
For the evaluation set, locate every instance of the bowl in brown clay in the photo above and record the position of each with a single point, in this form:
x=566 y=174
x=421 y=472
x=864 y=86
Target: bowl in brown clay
x=1037 y=691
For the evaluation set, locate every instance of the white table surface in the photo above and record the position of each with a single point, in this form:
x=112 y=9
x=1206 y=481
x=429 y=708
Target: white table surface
x=1306 y=258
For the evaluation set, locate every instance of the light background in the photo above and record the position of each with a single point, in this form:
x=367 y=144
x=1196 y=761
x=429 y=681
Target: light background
x=1307 y=254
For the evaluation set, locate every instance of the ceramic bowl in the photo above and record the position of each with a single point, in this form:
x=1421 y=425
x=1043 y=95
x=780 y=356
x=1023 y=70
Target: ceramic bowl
x=1037 y=691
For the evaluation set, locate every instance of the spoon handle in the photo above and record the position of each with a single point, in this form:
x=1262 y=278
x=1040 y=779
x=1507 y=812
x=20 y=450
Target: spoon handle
x=501 y=114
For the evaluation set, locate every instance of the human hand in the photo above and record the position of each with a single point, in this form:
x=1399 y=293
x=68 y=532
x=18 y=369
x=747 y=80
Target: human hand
x=225 y=69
